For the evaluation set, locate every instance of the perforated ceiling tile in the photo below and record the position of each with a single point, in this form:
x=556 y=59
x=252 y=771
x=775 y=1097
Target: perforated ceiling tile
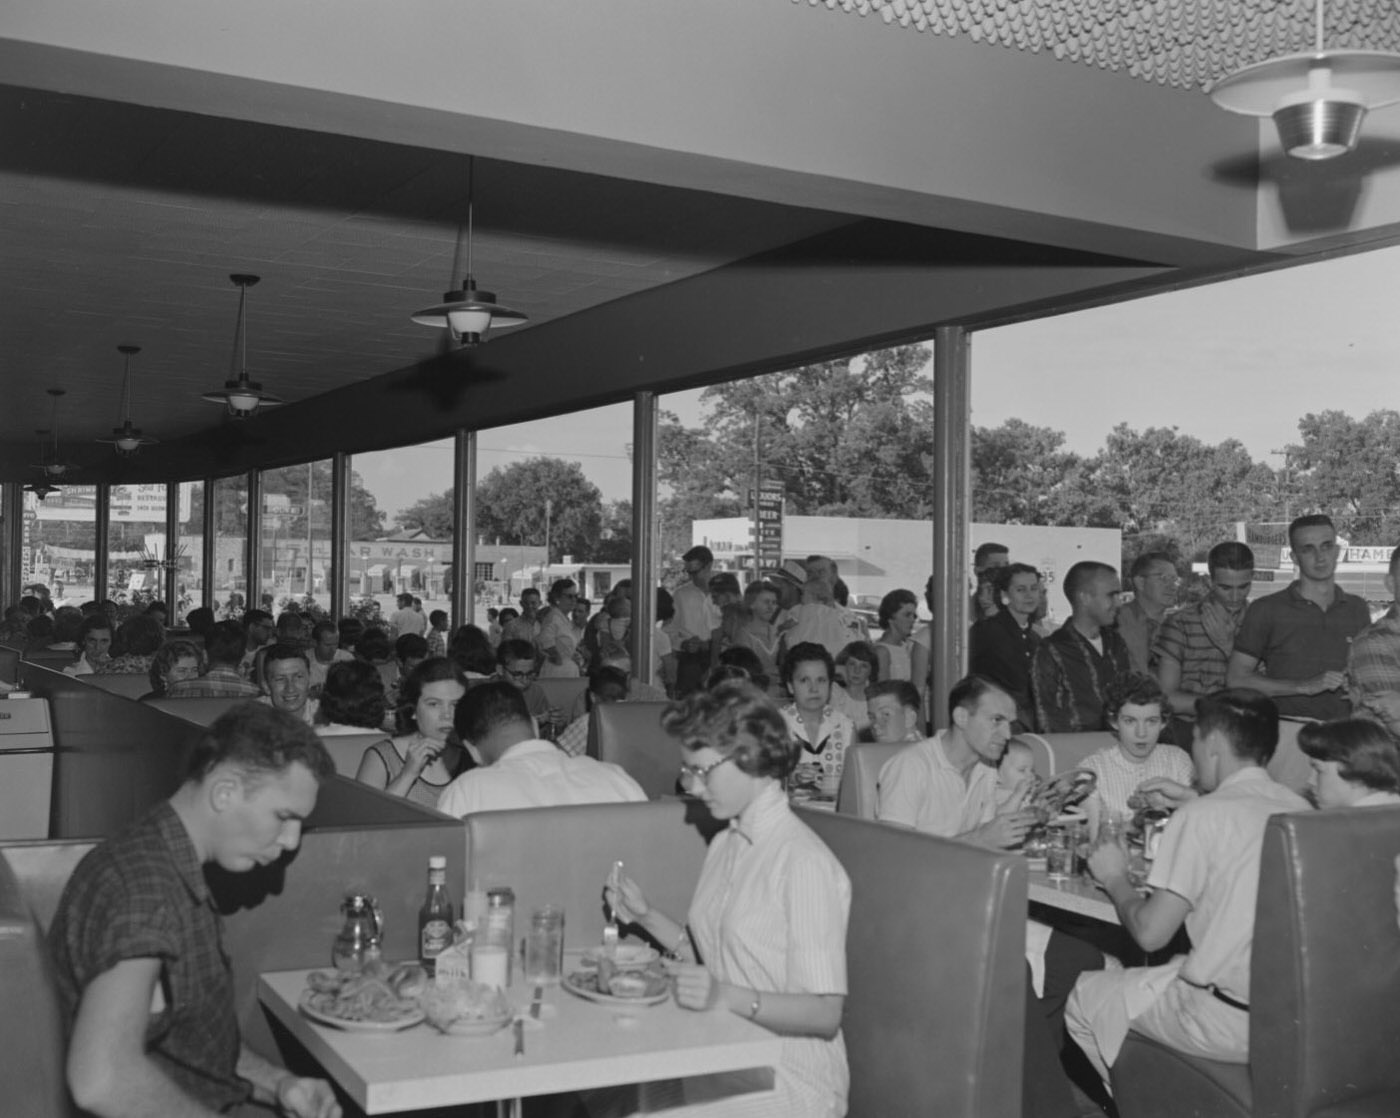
x=1181 y=43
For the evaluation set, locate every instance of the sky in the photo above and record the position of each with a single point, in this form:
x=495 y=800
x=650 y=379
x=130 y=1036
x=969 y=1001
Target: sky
x=1244 y=359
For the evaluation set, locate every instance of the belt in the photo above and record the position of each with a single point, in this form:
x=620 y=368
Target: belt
x=1219 y=995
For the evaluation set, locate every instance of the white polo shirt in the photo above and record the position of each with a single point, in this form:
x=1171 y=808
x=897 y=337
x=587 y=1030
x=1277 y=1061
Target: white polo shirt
x=920 y=788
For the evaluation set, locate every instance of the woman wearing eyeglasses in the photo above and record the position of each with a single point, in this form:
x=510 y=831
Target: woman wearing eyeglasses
x=766 y=935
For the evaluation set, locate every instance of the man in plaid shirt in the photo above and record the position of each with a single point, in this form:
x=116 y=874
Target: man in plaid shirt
x=1373 y=664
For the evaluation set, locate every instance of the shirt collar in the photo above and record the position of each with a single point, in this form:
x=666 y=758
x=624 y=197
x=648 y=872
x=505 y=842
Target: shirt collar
x=182 y=852
x=764 y=812
x=1249 y=774
x=524 y=748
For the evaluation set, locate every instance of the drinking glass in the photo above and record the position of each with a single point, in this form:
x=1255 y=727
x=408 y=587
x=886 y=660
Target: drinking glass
x=1059 y=853
x=544 y=947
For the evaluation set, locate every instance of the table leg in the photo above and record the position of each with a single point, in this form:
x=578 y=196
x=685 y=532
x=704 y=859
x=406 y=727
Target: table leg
x=508 y=1108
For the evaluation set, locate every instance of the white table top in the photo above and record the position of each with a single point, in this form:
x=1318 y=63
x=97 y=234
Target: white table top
x=1073 y=895
x=577 y=1045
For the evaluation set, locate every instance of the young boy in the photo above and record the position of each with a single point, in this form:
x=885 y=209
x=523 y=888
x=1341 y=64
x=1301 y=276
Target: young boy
x=437 y=633
x=823 y=734
x=1136 y=711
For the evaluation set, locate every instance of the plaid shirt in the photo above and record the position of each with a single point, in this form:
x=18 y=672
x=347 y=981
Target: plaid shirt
x=142 y=895
x=1373 y=667
x=216 y=683
x=1070 y=679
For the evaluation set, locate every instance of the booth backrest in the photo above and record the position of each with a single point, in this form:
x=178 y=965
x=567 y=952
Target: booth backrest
x=133 y=685
x=57 y=659
x=26 y=768
x=1325 y=974
x=32 y=1042
x=935 y=950
x=199 y=711
x=859 y=791
x=630 y=735
x=563 y=691
x=1068 y=751
x=9 y=664
x=562 y=855
x=346 y=750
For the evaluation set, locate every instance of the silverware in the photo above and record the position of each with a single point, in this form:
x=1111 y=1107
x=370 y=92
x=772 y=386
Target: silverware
x=519 y=1036
x=535 y=1001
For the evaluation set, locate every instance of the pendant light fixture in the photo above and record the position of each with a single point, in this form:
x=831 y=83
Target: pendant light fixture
x=126 y=438
x=466 y=312
x=50 y=464
x=240 y=395
x=1317 y=99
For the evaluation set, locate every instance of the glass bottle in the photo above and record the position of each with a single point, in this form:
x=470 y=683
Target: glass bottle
x=436 y=915
x=494 y=948
x=360 y=935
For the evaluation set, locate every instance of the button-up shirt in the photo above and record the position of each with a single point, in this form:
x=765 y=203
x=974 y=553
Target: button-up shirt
x=1070 y=678
x=1373 y=669
x=920 y=788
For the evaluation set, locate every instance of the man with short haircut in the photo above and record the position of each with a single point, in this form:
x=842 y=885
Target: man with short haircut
x=437 y=633
x=526 y=626
x=520 y=770
x=1373 y=664
x=696 y=618
x=606 y=684
x=893 y=706
x=289 y=681
x=1155 y=583
x=946 y=785
x=1205 y=876
x=1077 y=663
x=137 y=940
x=989 y=555
x=1193 y=646
x=406 y=619
x=325 y=651
x=1301 y=635
x=1002 y=647
x=516 y=665
x=223 y=648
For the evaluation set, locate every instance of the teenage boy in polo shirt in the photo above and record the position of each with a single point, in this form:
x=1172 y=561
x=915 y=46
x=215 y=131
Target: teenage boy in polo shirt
x=1303 y=633
x=137 y=939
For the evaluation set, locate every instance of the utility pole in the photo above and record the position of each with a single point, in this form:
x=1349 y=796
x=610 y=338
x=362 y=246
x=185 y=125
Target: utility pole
x=757 y=485
x=548 y=512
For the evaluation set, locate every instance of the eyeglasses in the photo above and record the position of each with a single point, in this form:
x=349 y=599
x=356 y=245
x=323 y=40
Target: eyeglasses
x=524 y=677
x=700 y=774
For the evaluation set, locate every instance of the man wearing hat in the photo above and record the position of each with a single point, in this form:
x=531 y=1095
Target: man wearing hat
x=695 y=620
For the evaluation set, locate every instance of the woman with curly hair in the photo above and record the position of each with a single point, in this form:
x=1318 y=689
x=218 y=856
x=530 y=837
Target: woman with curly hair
x=137 y=641
x=174 y=661
x=425 y=756
x=768 y=917
x=352 y=699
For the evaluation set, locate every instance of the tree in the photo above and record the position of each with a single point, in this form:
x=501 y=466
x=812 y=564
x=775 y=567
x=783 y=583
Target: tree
x=615 y=540
x=1350 y=468
x=366 y=518
x=1020 y=473
x=432 y=514
x=511 y=506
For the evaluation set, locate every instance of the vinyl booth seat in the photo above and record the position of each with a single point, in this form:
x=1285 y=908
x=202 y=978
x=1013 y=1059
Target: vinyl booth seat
x=1324 y=1019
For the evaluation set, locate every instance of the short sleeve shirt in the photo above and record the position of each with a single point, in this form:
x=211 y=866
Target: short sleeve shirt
x=770 y=913
x=143 y=895
x=1119 y=777
x=1182 y=638
x=1209 y=856
x=919 y=788
x=1297 y=639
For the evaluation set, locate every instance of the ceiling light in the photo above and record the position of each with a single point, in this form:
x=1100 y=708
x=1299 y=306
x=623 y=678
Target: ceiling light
x=50 y=464
x=126 y=438
x=1318 y=99
x=240 y=395
x=468 y=313
x=41 y=489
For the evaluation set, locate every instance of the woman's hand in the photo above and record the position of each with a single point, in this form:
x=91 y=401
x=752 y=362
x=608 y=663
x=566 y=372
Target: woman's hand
x=694 y=985
x=422 y=752
x=626 y=899
x=1163 y=792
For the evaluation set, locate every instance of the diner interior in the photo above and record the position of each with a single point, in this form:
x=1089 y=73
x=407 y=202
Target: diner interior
x=673 y=196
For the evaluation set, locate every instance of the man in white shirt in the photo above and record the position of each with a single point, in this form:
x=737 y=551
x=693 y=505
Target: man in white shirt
x=819 y=619
x=406 y=619
x=520 y=770
x=946 y=785
x=695 y=621
x=1205 y=876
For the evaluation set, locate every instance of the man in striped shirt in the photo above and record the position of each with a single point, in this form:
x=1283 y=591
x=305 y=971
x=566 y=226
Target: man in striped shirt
x=1193 y=646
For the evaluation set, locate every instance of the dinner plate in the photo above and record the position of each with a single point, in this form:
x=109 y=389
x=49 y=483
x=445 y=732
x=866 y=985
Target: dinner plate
x=583 y=986
x=416 y=1017
x=630 y=956
x=481 y=1026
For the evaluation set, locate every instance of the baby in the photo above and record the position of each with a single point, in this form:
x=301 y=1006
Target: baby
x=1015 y=775
x=1136 y=711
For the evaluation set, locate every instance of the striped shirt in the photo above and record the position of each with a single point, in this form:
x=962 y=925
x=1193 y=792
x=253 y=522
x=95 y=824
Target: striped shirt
x=770 y=913
x=1373 y=667
x=1183 y=638
x=1119 y=775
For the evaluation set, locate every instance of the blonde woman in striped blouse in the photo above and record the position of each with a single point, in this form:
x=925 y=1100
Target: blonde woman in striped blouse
x=766 y=934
